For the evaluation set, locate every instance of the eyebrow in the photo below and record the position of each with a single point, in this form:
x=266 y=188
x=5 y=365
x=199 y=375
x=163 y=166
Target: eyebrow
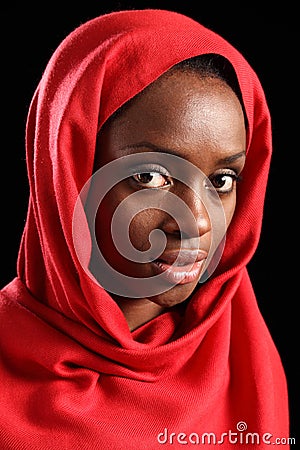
x=232 y=158
x=227 y=160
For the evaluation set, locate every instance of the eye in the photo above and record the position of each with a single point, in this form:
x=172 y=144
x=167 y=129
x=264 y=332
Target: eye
x=224 y=181
x=151 y=179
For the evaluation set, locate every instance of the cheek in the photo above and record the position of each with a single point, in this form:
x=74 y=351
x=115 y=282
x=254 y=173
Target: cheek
x=130 y=225
x=103 y=221
x=141 y=226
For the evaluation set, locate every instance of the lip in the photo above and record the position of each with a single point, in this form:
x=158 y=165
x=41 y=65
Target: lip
x=180 y=266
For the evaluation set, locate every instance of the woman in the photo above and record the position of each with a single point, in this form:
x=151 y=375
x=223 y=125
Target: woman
x=132 y=322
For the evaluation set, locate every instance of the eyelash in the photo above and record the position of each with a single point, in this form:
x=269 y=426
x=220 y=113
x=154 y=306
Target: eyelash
x=152 y=172
x=221 y=175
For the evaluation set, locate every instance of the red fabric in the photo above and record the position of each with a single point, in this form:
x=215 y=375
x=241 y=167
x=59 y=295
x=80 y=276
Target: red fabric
x=72 y=375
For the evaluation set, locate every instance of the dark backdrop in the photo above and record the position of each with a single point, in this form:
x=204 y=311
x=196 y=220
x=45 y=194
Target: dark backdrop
x=268 y=40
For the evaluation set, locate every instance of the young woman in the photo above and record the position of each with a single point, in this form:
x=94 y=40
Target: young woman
x=132 y=322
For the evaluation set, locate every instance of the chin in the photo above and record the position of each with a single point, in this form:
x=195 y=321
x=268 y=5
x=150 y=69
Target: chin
x=174 y=296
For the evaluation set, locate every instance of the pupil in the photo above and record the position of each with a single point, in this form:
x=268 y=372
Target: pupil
x=220 y=181
x=145 y=177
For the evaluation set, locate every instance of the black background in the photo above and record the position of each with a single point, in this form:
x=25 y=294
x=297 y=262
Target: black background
x=269 y=40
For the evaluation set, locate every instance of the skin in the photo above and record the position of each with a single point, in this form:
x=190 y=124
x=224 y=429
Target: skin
x=197 y=118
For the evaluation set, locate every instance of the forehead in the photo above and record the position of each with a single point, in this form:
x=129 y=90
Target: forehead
x=177 y=86
x=182 y=110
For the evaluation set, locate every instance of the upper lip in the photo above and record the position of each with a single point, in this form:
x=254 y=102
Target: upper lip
x=183 y=256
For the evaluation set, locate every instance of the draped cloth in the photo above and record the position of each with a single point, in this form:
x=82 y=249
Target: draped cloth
x=72 y=375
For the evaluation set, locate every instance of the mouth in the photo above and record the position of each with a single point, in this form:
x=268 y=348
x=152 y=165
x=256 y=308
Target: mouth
x=181 y=267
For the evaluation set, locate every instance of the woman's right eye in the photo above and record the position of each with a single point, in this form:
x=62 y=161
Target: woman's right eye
x=151 y=180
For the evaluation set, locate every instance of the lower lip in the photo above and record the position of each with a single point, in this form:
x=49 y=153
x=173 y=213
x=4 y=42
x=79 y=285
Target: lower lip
x=179 y=274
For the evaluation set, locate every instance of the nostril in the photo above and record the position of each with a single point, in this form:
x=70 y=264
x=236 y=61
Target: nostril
x=180 y=234
x=183 y=234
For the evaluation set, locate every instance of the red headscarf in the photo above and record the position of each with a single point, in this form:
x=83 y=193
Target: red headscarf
x=72 y=375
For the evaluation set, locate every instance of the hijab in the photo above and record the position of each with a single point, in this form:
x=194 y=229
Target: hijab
x=72 y=374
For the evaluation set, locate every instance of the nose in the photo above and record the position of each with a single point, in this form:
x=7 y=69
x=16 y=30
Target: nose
x=192 y=225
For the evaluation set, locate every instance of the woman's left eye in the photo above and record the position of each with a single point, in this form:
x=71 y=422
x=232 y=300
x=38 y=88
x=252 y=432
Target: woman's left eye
x=224 y=182
x=151 y=179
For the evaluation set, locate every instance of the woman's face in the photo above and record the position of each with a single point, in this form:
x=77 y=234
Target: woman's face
x=199 y=120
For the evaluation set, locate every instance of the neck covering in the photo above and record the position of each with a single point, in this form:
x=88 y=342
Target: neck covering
x=72 y=374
